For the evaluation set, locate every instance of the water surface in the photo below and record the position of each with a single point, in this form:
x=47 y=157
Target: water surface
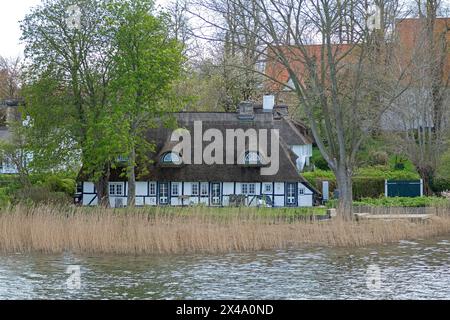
x=407 y=270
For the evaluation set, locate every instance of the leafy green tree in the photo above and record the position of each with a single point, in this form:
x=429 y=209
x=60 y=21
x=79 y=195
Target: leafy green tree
x=147 y=61
x=67 y=78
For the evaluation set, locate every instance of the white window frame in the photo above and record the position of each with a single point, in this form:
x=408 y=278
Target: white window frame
x=244 y=188
x=150 y=186
x=114 y=187
x=175 y=187
x=194 y=185
x=301 y=191
x=252 y=157
x=204 y=187
x=164 y=199
x=290 y=194
x=171 y=157
x=267 y=188
x=250 y=187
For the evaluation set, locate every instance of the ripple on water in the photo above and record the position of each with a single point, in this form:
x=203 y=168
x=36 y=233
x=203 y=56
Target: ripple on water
x=408 y=269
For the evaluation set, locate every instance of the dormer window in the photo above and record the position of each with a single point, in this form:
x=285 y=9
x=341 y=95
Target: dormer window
x=252 y=158
x=171 y=158
x=122 y=158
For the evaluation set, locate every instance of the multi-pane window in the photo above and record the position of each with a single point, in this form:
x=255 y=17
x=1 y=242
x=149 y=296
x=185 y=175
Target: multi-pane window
x=164 y=193
x=301 y=191
x=248 y=188
x=175 y=189
x=115 y=189
x=152 y=190
x=171 y=157
x=194 y=189
x=267 y=188
x=252 y=157
x=290 y=194
x=204 y=189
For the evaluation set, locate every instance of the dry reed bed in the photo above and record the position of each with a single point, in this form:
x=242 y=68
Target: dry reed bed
x=52 y=230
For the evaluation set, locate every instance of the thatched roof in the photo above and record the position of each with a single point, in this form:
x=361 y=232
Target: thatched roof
x=291 y=133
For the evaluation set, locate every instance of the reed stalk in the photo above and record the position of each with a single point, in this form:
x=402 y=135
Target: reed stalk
x=51 y=229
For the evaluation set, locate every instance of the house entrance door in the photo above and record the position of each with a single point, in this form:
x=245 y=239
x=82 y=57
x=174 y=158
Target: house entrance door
x=291 y=194
x=216 y=194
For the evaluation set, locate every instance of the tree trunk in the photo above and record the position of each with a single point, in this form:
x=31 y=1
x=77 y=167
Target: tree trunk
x=344 y=185
x=102 y=188
x=426 y=174
x=131 y=200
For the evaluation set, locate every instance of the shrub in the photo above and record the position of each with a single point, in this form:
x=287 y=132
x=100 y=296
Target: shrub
x=368 y=181
x=5 y=199
x=41 y=195
x=57 y=184
x=378 y=158
x=368 y=187
x=386 y=173
x=318 y=160
x=403 y=202
x=440 y=184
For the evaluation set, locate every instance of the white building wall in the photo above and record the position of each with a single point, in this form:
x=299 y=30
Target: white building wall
x=305 y=198
x=188 y=188
x=228 y=188
x=87 y=198
x=88 y=187
x=279 y=188
x=141 y=188
x=278 y=201
x=150 y=201
x=139 y=201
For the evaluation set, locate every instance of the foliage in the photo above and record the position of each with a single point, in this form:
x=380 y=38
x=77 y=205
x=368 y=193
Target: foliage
x=147 y=61
x=65 y=185
x=40 y=195
x=397 y=202
x=386 y=172
x=439 y=184
x=372 y=187
x=5 y=199
x=318 y=160
x=378 y=158
x=403 y=202
x=367 y=182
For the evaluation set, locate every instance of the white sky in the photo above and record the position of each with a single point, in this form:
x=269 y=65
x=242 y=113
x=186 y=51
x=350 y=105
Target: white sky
x=11 y=12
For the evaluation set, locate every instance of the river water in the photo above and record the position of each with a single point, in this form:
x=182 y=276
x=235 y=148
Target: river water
x=404 y=270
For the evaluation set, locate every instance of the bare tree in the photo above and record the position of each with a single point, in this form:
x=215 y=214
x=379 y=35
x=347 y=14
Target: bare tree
x=10 y=77
x=235 y=46
x=422 y=115
x=343 y=78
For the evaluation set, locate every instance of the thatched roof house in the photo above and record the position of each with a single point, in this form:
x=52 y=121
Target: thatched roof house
x=186 y=176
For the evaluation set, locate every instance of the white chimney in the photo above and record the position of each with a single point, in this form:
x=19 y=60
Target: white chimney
x=268 y=103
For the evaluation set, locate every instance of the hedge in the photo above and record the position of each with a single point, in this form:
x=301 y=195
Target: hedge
x=440 y=184
x=403 y=202
x=367 y=183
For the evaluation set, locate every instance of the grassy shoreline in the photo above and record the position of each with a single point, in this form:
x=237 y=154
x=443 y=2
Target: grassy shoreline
x=50 y=229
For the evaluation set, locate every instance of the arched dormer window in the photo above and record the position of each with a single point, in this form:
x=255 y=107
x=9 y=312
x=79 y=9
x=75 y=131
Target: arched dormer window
x=171 y=158
x=252 y=158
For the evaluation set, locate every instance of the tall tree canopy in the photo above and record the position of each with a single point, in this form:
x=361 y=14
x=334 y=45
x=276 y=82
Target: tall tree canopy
x=96 y=74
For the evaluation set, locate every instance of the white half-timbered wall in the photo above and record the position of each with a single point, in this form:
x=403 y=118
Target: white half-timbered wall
x=149 y=193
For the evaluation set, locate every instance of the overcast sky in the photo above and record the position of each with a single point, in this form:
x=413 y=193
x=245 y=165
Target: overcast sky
x=11 y=12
